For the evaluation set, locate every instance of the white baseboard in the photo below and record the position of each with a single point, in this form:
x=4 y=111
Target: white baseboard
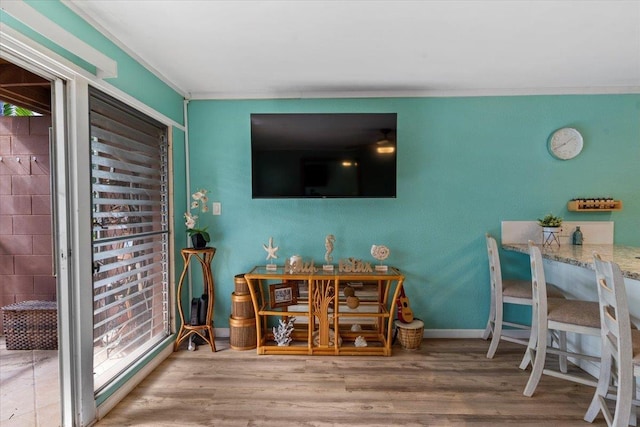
x=429 y=333
x=470 y=333
x=453 y=333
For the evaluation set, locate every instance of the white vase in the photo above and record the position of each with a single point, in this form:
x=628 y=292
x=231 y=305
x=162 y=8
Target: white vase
x=551 y=236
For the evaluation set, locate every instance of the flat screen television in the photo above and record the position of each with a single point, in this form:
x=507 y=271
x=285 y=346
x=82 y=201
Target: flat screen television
x=330 y=155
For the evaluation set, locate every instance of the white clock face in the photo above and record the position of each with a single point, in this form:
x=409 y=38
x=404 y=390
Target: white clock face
x=565 y=143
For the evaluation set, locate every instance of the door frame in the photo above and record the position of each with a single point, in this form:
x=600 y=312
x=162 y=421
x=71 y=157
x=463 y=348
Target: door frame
x=69 y=92
x=70 y=174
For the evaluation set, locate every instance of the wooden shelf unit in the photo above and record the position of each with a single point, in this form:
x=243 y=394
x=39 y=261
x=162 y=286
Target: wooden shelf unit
x=321 y=310
x=594 y=205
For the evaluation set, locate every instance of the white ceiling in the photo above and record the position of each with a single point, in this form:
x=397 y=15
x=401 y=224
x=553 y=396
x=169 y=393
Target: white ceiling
x=283 y=49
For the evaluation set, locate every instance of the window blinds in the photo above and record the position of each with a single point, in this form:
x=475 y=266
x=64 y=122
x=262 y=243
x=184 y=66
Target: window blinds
x=130 y=234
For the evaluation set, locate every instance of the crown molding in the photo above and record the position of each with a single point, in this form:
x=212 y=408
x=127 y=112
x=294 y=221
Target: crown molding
x=105 y=66
x=417 y=93
x=113 y=39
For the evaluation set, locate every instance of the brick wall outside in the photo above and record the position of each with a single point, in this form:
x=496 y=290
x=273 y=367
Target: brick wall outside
x=25 y=211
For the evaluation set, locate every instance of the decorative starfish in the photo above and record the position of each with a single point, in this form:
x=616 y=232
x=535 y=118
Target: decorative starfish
x=271 y=251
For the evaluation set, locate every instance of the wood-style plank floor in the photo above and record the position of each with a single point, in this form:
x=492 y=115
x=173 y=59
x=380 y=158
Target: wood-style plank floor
x=446 y=382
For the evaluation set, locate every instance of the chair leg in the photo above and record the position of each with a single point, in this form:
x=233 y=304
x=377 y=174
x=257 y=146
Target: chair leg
x=533 y=336
x=497 y=330
x=488 y=331
x=624 y=399
x=495 y=340
x=604 y=380
x=562 y=344
x=526 y=359
x=538 y=360
x=635 y=409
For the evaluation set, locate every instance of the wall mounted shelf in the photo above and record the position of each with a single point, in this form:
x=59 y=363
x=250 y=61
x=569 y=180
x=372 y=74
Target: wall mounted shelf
x=594 y=205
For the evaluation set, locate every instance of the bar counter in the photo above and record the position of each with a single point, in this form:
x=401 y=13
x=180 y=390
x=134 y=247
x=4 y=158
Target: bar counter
x=627 y=257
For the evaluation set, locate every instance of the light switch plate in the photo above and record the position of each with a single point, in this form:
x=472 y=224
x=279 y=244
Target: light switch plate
x=216 y=208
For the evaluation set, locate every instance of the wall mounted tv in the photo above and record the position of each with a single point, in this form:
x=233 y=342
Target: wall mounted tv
x=308 y=155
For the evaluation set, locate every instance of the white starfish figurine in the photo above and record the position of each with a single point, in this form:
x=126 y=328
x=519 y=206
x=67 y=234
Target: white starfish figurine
x=271 y=251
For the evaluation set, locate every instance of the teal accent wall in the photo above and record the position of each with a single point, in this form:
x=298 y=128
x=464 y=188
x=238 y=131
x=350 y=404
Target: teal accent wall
x=464 y=165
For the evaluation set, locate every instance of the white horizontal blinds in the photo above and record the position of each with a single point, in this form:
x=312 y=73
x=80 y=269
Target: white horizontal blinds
x=130 y=234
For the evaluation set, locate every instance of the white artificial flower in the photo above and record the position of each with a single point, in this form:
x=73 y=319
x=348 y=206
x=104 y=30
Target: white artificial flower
x=200 y=195
x=191 y=220
x=199 y=202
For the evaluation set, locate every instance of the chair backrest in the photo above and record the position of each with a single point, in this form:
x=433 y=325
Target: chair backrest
x=538 y=283
x=614 y=311
x=495 y=272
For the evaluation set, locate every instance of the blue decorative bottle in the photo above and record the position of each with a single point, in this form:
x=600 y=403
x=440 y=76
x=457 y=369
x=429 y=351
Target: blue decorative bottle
x=577 y=236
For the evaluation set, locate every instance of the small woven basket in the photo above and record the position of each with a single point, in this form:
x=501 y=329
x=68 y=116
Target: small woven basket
x=31 y=325
x=410 y=334
x=241 y=285
x=241 y=306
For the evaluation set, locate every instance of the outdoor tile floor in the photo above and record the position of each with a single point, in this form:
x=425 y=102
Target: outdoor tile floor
x=29 y=388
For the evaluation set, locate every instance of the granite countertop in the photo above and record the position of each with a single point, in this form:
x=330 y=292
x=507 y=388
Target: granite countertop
x=627 y=257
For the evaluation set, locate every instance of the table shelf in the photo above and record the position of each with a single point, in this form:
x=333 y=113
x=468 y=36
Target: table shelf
x=204 y=257
x=321 y=311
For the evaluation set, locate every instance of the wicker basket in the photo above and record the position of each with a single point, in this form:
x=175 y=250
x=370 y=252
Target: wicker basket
x=242 y=334
x=241 y=285
x=242 y=306
x=31 y=325
x=410 y=334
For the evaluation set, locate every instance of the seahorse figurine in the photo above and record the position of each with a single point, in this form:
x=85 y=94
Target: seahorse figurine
x=328 y=244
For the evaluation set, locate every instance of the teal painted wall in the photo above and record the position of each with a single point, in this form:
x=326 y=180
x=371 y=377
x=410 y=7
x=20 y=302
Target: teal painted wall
x=465 y=164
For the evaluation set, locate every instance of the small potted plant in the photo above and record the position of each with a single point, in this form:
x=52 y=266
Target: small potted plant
x=199 y=236
x=550 y=229
x=550 y=221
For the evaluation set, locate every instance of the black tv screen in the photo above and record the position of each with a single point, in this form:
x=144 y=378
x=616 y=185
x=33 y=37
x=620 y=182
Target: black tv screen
x=310 y=155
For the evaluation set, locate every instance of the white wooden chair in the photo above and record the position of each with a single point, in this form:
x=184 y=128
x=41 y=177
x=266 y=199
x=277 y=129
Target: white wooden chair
x=557 y=316
x=620 y=349
x=505 y=291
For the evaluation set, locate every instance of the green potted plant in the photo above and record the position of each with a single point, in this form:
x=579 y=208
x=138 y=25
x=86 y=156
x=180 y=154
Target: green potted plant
x=550 y=224
x=199 y=236
x=550 y=221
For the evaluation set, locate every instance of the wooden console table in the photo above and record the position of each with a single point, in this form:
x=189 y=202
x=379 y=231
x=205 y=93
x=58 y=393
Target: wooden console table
x=204 y=256
x=321 y=312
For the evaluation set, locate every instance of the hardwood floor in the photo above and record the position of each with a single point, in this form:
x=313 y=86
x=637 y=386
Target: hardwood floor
x=446 y=382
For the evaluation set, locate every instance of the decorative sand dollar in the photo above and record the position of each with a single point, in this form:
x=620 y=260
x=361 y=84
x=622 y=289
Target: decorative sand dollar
x=353 y=302
x=348 y=291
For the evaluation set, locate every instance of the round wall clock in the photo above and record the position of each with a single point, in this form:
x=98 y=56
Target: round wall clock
x=565 y=143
